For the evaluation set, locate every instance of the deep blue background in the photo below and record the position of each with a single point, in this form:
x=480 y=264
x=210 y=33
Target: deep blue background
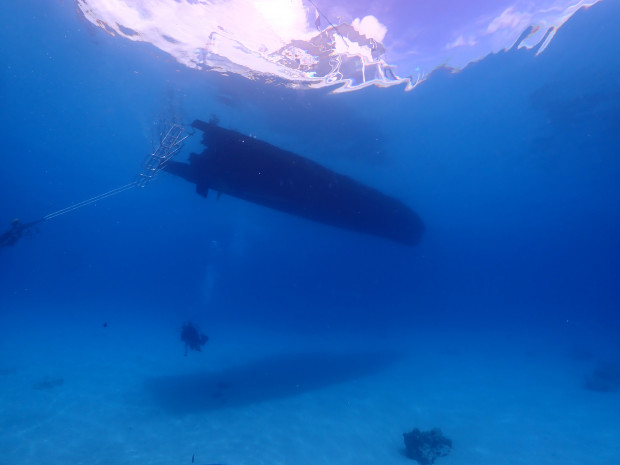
x=512 y=164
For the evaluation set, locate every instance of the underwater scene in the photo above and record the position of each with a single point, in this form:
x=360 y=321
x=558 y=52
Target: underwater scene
x=306 y=232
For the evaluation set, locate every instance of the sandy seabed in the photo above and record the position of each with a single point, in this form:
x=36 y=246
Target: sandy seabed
x=81 y=394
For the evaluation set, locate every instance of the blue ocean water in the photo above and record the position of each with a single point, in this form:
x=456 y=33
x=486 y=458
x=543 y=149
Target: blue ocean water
x=512 y=164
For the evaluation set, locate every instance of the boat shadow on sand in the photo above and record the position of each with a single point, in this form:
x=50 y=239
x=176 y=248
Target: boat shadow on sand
x=264 y=379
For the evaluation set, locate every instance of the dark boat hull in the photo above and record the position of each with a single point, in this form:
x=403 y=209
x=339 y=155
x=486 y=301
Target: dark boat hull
x=253 y=170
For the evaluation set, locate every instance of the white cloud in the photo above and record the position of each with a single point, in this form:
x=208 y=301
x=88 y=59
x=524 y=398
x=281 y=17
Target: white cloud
x=509 y=19
x=370 y=27
x=461 y=42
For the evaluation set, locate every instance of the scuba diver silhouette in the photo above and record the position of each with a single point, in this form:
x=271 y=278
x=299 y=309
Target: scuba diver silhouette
x=17 y=230
x=192 y=337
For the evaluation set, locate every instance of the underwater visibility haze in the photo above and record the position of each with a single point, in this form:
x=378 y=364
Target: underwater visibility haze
x=310 y=232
